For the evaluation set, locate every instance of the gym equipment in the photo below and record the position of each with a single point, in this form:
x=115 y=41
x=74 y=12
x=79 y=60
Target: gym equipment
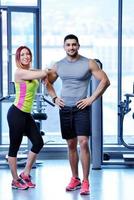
x=97 y=126
x=120 y=154
x=123 y=110
x=125 y=153
x=38 y=112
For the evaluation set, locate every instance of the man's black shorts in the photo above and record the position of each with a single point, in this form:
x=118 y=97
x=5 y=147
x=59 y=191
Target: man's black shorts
x=75 y=122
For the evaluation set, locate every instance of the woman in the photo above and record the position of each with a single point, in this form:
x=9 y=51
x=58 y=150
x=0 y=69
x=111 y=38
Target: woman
x=20 y=120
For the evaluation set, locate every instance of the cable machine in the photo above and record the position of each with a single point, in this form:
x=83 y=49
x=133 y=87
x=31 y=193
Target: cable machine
x=124 y=155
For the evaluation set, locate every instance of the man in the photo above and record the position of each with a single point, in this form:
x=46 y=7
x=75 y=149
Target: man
x=75 y=72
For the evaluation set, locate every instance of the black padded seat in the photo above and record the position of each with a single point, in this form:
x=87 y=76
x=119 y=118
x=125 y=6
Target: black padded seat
x=39 y=116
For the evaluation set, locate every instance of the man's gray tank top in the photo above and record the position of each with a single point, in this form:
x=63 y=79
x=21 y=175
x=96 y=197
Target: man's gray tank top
x=75 y=78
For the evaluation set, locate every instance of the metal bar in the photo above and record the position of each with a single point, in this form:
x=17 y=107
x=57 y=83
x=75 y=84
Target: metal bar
x=120 y=7
x=1 y=58
x=97 y=127
x=1 y=72
x=9 y=49
x=20 y=8
x=39 y=39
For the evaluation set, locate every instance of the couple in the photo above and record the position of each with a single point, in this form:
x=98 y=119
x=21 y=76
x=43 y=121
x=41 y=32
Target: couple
x=75 y=72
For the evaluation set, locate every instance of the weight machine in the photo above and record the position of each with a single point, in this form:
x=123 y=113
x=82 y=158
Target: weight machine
x=123 y=153
x=102 y=155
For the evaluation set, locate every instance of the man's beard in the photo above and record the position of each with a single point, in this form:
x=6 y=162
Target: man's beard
x=73 y=55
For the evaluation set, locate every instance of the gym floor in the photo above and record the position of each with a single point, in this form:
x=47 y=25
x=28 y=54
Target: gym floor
x=51 y=177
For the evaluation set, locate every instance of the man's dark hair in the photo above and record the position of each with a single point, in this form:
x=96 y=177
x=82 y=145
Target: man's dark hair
x=71 y=36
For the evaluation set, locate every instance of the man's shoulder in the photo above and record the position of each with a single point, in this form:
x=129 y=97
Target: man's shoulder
x=84 y=58
x=61 y=60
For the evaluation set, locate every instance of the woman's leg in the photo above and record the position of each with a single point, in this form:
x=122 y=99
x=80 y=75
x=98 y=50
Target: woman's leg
x=37 y=143
x=16 y=128
x=30 y=161
x=35 y=137
x=13 y=167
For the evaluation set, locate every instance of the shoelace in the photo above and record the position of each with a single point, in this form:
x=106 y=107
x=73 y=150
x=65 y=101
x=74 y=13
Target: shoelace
x=21 y=181
x=85 y=185
x=28 y=179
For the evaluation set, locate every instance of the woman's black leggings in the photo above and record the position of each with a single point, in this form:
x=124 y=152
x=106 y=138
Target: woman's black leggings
x=21 y=123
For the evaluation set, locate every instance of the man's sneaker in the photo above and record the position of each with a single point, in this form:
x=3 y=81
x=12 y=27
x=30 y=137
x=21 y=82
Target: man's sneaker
x=27 y=180
x=84 y=188
x=19 y=184
x=74 y=184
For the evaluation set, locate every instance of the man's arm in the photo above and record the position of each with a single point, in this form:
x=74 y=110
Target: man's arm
x=50 y=89
x=100 y=75
x=52 y=74
x=51 y=78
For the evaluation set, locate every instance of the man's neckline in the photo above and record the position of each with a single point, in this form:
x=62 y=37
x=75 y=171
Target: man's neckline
x=73 y=60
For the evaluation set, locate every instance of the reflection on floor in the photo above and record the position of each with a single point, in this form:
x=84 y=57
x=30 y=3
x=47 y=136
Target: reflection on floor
x=52 y=176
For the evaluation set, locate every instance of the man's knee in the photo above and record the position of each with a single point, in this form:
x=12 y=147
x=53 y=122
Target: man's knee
x=84 y=142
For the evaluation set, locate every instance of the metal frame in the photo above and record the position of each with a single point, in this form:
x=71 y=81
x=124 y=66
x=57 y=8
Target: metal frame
x=1 y=72
x=97 y=130
x=120 y=8
x=123 y=107
x=37 y=43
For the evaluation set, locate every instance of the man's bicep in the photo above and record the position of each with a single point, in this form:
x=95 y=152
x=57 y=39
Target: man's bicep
x=52 y=76
x=99 y=74
x=95 y=69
